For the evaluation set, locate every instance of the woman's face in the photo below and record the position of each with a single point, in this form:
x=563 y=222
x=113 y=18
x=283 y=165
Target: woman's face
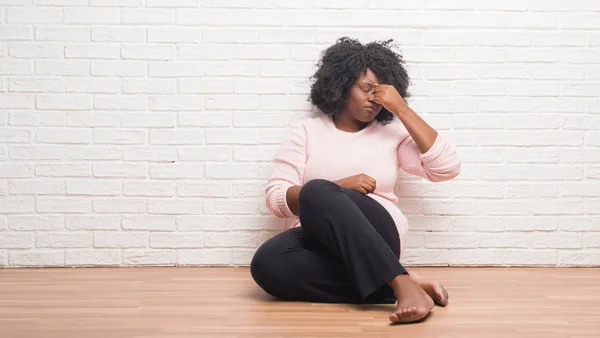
x=360 y=103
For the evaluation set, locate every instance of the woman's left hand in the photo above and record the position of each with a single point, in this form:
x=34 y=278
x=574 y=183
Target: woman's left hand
x=389 y=98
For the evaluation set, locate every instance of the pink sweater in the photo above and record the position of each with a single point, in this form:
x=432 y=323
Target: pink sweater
x=317 y=149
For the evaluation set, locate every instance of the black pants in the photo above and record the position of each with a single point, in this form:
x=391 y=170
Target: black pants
x=345 y=250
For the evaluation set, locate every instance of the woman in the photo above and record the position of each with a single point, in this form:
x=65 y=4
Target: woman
x=334 y=178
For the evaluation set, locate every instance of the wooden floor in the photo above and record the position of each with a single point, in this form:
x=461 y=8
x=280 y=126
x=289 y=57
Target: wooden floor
x=225 y=302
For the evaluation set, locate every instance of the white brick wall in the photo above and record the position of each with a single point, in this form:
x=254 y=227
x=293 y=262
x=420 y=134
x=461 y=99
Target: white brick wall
x=140 y=132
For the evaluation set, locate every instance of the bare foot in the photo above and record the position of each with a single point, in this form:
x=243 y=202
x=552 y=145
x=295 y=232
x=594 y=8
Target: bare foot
x=413 y=303
x=434 y=289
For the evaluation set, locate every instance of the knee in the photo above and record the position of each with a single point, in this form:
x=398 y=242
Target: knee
x=315 y=189
x=263 y=269
x=259 y=265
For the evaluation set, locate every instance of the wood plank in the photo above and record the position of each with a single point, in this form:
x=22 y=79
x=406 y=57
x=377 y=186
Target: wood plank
x=225 y=302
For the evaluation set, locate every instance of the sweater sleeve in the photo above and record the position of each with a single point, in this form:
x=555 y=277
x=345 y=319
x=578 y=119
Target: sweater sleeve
x=440 y=163
x=287 y=171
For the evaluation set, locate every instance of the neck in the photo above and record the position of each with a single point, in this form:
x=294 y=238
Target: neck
x=346 y=123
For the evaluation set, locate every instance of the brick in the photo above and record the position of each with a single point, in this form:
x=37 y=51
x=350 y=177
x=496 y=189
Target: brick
x=241 y=222
x=35 y=15
x=36 y=51
x=231 y=207
x=64 y=102
x=16 y=241
x=149 y=188
x=63 y=240
x=149 y=120
x=118 y=68
x=204 y=189
x=176 y=103
x=177 y=240
x=36 y=85
x=330 y=18
x=120 y=240
x=62 y=33
x=579 y=189
x=232 y=102
x=175 y=34
x=176 y=69
x=148 y=52
x=117 y=3
x=36 y=223
x=476 y=257
x=231 y=136
x=592 y=206
x=118 y=34
x=63 y=205
x=93 y=222
x=149 y=222
x=149 y=154
x=16 y=32
x=63 y=68
x=229 y=35
x=93 y=187
x=175 y=171
x=204 y=52
x=231 y=170
x=246 y=239
x=91 y=15
x=248 y=52
x=93 y=85
x=17 y=101
x=176 y=136
x=147 y=16
x=505 y=240
x=204 y=223
x=254 y=153
x=175 y=206
x=93 y=153
x=16 y=67
x=204 y=119
x=556 y=240
x=93 y=258
x=233 y=68
x=524 y=190
x=37 y=119
x=63 y=135
x=119 y=205
x=92 y=51
x=119 y=170
x=16 y=170
x=149 y=86
x=204 y=257
x=530 y=257
x=222 y=17
x=13 y=135
x=578 y=257
x=95 y=119
x=28 y=187
x=37 y=258
x=114 y=102
x=119 y=136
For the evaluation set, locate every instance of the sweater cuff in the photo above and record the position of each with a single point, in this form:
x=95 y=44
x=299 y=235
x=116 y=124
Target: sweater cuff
x=280 y=201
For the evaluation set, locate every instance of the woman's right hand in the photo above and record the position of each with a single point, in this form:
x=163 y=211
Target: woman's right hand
x=362 y=183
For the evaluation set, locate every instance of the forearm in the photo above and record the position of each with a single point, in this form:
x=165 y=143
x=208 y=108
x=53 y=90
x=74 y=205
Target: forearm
x=423 y=134
x=291 y=197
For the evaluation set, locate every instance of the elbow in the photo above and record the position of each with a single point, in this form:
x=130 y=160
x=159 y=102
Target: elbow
x=447 y=173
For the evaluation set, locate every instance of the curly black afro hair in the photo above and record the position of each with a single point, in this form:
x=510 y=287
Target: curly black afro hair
x=343 y=62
